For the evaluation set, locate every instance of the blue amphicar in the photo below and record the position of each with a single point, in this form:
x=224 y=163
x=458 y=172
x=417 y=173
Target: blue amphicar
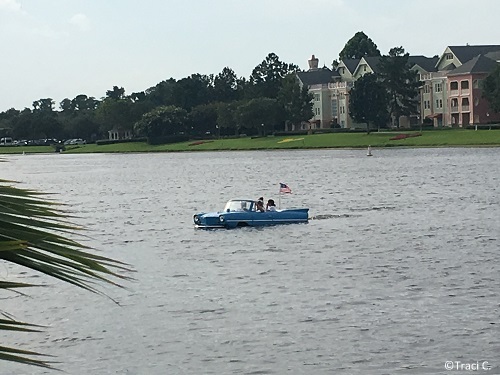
x=244 y=212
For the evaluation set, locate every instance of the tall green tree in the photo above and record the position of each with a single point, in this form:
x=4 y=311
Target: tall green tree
x=162 y=121
x=44 y=105
x=23 y=126
x=33 y=235
x=225 y=86
x=65 y=105
x=296 y=101
x=259 y=114
x=226 y=118
x=78 y=119
x=359 y=46
x=83 y=102
x=203 y=118
x=115 y=114
x=491 y=89
x=267 y=77
x=192 y=91
x=368 y=101
x=45 y=123
x=7 y=121
x=162 y=94
x=401 y=83
x=116 y=93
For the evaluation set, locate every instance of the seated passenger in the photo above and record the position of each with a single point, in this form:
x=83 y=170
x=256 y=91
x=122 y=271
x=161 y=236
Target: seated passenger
x=270 y=205
x=260 y=205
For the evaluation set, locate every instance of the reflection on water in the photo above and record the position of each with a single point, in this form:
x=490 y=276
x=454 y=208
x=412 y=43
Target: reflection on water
x=396 y=272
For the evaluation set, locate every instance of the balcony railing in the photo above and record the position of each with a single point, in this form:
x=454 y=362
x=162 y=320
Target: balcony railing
x=465 y=108
x=454 y=108
x=340 y=85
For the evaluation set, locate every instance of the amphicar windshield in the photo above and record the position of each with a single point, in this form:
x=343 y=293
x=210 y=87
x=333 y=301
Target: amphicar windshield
x=239 y=205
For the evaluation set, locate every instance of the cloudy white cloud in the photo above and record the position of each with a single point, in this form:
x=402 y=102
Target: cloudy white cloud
x=81 y=21
x=11 y=5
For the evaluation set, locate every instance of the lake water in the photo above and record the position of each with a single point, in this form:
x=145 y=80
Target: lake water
x=397 y=272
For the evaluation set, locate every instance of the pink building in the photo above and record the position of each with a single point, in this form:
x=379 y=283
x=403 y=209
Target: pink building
x=466 y=106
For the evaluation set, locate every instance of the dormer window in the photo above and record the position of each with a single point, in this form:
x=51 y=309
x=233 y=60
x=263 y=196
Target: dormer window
x=449 y=56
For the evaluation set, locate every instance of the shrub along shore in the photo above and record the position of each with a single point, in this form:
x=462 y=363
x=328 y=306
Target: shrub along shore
x=442 y=138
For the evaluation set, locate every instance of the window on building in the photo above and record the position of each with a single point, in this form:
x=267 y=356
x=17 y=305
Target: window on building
x=316 y=97
x=454 y=85
x=464 y=85
x=364 y=68
x=334 y=108
x=475 y=84
x=449 y=56
x=440 y=103
x=437 y=87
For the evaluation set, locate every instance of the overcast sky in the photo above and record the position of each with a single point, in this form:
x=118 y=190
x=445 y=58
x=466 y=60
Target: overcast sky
x=62 y=48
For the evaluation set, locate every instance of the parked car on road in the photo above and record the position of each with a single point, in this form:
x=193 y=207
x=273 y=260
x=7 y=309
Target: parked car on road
x=75 y=141
x=7 y=141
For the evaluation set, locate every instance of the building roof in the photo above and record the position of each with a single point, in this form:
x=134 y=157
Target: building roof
x=478 y=64
x=450 y=66
x=351 y=64
x=426 y=63
x=373 y=61
x=317 y=76
x=495 y=55
x=465 y=53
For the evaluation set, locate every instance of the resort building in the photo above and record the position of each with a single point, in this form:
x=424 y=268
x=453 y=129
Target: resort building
x=450 y=91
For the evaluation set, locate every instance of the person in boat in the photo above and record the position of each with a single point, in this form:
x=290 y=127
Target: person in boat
x=259 y=206
x=270 y=206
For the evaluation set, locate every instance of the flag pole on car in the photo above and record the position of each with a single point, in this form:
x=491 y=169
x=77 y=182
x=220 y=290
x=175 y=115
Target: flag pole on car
x=284 y=189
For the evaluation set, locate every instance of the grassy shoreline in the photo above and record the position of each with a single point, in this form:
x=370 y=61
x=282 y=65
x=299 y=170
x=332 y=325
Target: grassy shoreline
x=442 y=138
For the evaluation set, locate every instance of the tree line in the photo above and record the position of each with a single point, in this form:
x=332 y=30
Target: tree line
x=225 y=104
x=221 y=104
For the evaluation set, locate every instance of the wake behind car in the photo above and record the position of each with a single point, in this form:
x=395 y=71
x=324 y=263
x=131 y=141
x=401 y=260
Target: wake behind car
x=243 y=213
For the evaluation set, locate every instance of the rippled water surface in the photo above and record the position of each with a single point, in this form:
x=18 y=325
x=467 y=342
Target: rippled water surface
x=397 y=272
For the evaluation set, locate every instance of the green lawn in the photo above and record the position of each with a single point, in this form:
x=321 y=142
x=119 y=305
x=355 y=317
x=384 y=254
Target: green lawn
x=438 y=138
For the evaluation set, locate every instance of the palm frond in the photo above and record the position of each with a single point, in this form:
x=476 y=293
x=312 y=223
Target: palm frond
x=20 y=356
x=35 y=233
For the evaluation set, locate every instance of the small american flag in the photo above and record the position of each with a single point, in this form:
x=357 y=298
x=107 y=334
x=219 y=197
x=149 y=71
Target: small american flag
x=285 y=189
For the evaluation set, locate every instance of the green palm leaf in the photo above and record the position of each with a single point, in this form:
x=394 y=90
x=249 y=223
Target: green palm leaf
x=34 y=233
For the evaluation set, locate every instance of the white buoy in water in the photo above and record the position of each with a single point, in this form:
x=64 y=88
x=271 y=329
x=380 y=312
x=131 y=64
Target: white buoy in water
x=369 y=152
